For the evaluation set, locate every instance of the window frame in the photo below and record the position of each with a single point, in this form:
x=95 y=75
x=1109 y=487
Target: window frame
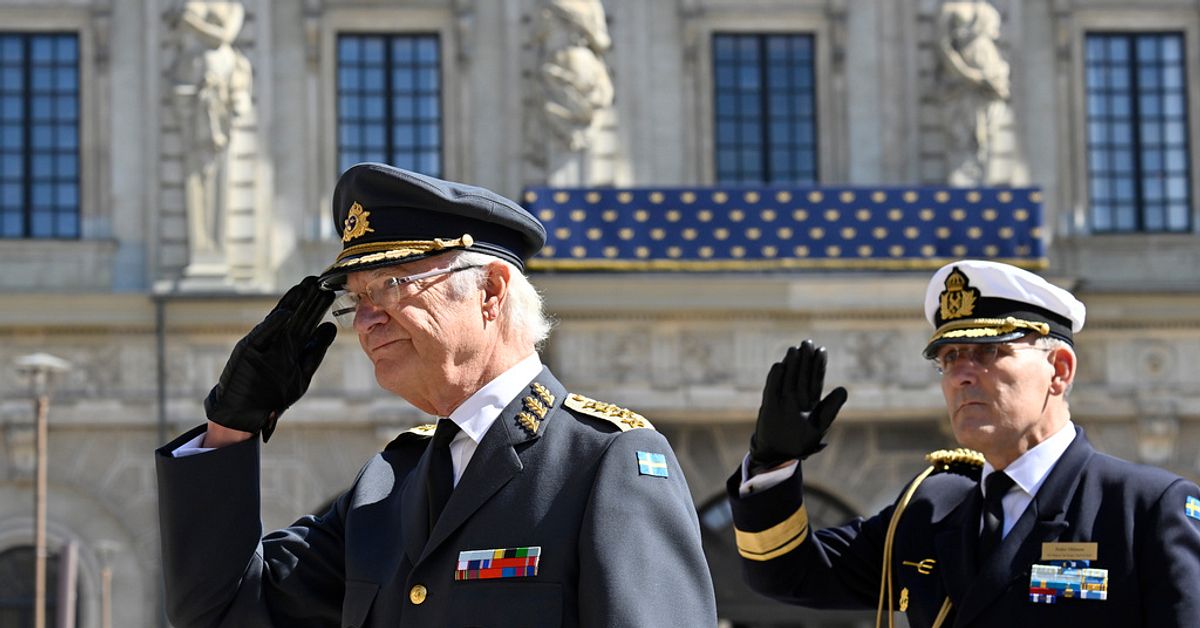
x=85 y=261
x=1078 y=218
x=765 y=110
x=831 y=132
x=367 y=21
x=1138 y=143
x=28 y=152
x=389 y=93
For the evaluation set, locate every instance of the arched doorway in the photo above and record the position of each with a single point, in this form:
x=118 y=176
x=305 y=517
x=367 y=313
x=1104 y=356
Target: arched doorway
x=16 y=588
x=736 y=602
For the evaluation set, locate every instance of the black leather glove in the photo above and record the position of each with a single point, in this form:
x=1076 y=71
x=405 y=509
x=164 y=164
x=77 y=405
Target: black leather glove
x=793 y=418
x=271 y=367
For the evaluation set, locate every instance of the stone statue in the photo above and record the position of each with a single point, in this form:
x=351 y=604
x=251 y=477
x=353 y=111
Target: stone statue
x=211 y=86
x=571 y=37
x=975 y=90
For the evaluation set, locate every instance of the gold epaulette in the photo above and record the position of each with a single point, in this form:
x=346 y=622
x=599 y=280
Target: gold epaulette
x=412 y=435
x=622 y=418
x=960 y=459
x=425 y=430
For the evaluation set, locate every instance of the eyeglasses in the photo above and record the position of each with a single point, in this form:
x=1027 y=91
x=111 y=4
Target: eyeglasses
x=983 y=355
x=383 y=292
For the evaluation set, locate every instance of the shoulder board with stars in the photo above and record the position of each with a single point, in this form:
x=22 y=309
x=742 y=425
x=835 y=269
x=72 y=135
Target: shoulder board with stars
x=622 y=418
x=962 y=461
x=413 y=434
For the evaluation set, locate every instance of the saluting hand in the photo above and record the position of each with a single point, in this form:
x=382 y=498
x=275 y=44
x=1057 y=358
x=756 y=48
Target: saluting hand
x=793 y=418
x=271 y=368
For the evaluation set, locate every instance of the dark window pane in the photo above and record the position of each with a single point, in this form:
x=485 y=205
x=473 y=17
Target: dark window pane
x=10 y=79
x=10 y=137
x=763 y=83
x=66 y=225
x=1178 y=217
x=39 y=135
x=372 y=50
x=43 y=224
x=41 y=49
x=12 y=48
x=1141 y=127
x=401 y=74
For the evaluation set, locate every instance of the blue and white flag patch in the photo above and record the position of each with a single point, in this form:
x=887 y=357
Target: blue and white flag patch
x=1192 y=508
x=652 y=464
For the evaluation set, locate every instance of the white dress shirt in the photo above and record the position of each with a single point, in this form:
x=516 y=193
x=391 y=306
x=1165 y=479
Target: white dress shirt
x=1029 y=473
x=473 y=417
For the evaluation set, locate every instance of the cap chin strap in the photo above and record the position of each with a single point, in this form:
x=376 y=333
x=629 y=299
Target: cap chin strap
x=988 y=327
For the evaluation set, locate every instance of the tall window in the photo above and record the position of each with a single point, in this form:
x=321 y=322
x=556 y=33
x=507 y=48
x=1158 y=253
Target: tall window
x=39 y=135
x=17 y=588
x=1137 y=132
x=389 y=101
x=765 y=96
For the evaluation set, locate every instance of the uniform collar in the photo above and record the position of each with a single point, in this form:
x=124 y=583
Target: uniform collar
x=475 y=415
x=1030 y=470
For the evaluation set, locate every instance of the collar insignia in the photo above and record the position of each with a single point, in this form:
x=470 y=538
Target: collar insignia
x=958 y=299
x=534 y=408
x=356 y=224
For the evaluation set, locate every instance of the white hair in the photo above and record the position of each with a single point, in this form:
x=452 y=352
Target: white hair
x=522 y=315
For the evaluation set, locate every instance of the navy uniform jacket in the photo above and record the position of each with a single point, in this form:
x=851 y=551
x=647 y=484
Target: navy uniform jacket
x=1135 y=514
x=618 y=548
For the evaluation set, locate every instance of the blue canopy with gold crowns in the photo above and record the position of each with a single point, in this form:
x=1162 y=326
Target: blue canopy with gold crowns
x=780 y=228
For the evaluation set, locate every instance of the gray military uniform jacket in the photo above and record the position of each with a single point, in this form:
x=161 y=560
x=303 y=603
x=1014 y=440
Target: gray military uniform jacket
x=618 y=547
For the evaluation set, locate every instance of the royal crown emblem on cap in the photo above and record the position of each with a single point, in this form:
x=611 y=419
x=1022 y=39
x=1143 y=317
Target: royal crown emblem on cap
x=356 y=224
x=958 y=299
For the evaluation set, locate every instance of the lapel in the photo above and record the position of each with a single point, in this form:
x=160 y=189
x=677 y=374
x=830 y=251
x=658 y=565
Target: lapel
x=955 y=546
x=1042 y=521
x=497 y=459
x=414 y=509
x=379 y=509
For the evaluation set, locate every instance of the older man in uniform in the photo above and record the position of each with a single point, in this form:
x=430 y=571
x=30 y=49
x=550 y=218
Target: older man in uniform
x=527 y=505
x=1055 y=534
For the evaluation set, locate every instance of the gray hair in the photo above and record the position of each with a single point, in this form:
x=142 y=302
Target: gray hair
x=523 y=316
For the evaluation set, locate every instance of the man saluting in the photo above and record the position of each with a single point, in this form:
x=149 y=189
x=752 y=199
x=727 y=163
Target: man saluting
x=526 y=505
x=1035 y=528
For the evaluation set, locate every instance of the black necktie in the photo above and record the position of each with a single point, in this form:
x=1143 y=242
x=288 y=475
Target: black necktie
x=998 y=484
x=440 y=481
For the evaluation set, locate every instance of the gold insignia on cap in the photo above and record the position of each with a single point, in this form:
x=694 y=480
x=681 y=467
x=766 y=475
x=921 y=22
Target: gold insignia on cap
x=622 y=418
x=356 y=224
x=958 y=299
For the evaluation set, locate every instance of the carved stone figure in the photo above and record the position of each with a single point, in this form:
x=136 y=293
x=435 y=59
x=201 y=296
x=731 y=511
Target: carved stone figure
x=975 y=91
x=571 y=37
x=211 y=86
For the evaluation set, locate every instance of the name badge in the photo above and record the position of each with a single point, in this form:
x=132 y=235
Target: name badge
x=1069 y=551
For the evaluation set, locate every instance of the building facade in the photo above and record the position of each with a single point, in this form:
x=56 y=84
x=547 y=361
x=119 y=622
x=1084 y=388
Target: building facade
x=166 y=169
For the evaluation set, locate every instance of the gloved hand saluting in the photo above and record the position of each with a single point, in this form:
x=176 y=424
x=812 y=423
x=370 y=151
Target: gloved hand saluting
x=793 y=418
x=271 y=367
